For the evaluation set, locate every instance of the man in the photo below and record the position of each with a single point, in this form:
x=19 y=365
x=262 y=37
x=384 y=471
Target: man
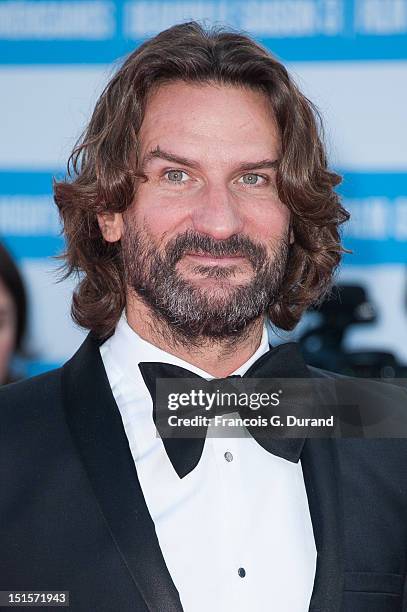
x=199 y=205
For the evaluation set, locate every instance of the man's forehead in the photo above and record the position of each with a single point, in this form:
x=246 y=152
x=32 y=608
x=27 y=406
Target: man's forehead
x=183 y=106
x=201 y=122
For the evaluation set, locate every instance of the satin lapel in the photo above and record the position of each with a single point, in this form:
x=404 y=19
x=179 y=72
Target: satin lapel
x=322 y=482
x=97 y=429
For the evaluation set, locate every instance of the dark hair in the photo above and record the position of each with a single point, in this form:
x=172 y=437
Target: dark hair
x=103 y=169
x=13 y=282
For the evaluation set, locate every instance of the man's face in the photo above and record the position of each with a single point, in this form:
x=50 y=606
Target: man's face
x=205 y=242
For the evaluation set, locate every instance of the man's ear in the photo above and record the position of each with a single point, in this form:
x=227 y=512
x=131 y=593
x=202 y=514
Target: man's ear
x=111 y=225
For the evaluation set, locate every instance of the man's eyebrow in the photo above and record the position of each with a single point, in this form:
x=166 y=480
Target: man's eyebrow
x=263 y=163
x=158 y=153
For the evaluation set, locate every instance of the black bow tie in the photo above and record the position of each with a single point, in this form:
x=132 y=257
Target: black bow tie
x=283 y=361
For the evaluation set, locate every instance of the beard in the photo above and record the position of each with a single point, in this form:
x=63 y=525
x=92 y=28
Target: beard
x=190 y=312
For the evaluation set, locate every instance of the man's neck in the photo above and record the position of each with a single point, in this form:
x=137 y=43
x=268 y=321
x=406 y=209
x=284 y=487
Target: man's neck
x=219 y=358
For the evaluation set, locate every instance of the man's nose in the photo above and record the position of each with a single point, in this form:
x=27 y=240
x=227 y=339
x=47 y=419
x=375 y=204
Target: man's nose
x=217 y=214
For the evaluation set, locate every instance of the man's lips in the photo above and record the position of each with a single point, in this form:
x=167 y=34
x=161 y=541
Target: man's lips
x=207 y=259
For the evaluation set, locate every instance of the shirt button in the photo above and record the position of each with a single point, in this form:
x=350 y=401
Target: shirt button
x=242 y=572
x=228 y=456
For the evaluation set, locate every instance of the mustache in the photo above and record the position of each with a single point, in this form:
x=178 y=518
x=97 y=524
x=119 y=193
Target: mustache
x=236 y=245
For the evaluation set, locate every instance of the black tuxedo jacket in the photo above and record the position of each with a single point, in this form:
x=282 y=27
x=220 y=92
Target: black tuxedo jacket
x=73 y=516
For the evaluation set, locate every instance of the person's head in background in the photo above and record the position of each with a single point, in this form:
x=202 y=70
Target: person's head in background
x=13 y=313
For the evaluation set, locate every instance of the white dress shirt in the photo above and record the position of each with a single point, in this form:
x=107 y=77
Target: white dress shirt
x=236 y=532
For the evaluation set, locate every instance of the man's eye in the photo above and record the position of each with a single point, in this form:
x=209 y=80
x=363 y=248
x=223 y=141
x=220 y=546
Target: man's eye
x=252 y=179
x=176 y=176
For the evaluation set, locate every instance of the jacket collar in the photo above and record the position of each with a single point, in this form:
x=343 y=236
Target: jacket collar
x=98 y=433
x=321 y=477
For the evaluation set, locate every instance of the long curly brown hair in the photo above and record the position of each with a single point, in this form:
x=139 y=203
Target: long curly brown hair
x=103 y=170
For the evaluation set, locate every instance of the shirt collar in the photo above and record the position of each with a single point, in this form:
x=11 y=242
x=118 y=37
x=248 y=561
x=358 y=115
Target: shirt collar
x=128 y=349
